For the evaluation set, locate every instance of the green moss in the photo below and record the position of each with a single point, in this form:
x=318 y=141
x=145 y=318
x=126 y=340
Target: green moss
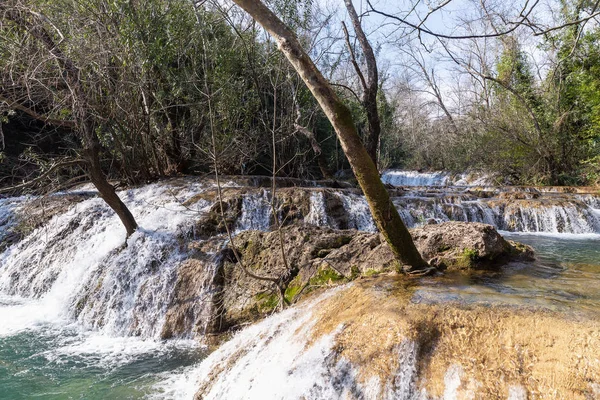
x=371 y=272
x=395 y=265
x=266 y=302
x=326 y=276
x=354 y=272
x=292 y=291
x=467 y=259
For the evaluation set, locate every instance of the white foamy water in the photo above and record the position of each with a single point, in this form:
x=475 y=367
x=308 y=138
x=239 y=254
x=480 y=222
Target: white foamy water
x=107 y=352
x=256 y=212
x=414 y=178
x=317 y=214
x=269 y=360
x=77 y=267
x=359 y=214
x=279 y=359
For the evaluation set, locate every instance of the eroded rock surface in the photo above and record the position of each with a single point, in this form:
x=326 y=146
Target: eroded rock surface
x=459 y=245
x=311 y=258
x=367 y=340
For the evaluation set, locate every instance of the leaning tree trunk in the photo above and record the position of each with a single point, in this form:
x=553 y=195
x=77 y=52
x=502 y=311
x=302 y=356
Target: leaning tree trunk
x=84 y=124
x=384 y=213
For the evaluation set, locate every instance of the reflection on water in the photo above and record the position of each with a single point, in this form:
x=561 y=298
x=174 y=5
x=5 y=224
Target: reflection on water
x=565 y=276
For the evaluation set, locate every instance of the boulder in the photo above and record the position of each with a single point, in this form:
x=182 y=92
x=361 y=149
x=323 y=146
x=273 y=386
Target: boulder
x=466 y=245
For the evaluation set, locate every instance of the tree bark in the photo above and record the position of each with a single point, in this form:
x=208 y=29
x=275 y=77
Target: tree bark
x=370 y=85
x=84 y=122
x=384 y=213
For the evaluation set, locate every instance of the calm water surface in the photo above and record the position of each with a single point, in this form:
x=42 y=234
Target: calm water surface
x=565 y=277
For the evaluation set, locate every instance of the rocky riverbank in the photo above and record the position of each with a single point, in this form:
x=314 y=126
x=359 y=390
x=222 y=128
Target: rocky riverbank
x=302 y=259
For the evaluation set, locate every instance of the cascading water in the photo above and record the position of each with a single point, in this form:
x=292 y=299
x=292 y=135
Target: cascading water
x=282 y=350
x=77 y=266
x=256 y=212
x=74 y=272
x=317 y=214
x=414 y=178
x=359 y=215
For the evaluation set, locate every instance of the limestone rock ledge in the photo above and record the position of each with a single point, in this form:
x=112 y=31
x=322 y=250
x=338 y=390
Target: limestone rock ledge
x=316 y=258
x=367 y=340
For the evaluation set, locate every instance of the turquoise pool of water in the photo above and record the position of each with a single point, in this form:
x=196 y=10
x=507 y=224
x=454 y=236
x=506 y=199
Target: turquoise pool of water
x=49 y=362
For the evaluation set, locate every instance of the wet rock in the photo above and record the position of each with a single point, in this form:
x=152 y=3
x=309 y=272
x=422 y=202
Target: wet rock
x=194 y=306
x=462 y=245
x=313 y=258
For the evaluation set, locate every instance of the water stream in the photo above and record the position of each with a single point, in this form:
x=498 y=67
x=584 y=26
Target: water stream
x=81 y=314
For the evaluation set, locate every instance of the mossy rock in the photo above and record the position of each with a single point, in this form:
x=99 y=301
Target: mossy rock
x=326 y=276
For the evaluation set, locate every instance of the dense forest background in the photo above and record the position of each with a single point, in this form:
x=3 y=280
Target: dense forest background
x=175 y=86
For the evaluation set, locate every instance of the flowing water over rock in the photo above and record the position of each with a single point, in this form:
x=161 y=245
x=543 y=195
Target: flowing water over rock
x=76 y=296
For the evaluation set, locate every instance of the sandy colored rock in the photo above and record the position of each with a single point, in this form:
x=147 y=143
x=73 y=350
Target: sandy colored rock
x=318 y=258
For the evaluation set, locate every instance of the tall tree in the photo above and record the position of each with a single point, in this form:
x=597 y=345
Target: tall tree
x=384 y=213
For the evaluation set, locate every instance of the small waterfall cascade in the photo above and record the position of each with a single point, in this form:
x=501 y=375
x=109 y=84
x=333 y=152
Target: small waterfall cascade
x=281 y=348
x=281 y=357
x=256 y=212
x=414 y=178
x=76 y=267
x=564 y=215
x=76 y=270
x=317 y=214
x=359 y=214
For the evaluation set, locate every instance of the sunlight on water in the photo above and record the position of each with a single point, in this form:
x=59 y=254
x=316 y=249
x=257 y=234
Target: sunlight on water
x=565 y=276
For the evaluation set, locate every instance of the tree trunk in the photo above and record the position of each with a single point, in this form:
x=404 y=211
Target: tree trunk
x=84 y=124
x=384 y=213
x=370 y=85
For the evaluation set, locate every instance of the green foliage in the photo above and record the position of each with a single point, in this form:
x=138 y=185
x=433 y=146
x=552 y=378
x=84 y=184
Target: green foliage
x=164 y=77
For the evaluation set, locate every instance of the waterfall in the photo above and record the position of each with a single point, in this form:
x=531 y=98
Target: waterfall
x=565 y=216
x=317 y=214
x=77 y=266
x=281 y=357
x=359 y=214
x=256 y=212
x=276 y=359
x=414 y=178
